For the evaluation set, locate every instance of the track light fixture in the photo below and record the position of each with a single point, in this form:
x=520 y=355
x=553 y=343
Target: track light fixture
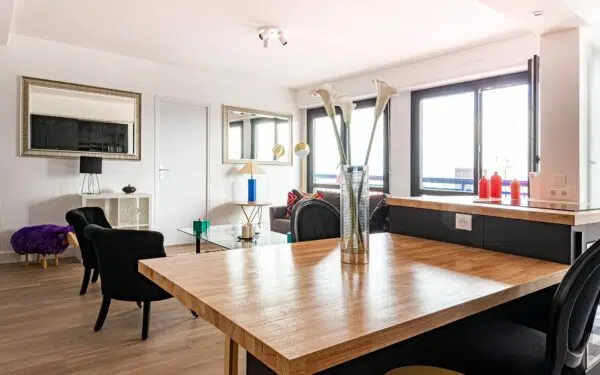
x=268 y=33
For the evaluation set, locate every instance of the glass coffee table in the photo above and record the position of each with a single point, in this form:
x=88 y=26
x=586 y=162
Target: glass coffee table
x=226 y=236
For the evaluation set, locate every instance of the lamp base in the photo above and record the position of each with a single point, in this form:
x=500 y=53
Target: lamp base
x=251 y=190
x=90 y=184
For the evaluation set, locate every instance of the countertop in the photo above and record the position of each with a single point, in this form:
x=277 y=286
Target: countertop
x=466 y=204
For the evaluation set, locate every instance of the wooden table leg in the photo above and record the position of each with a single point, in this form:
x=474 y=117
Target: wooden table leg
x=56 y=259
x=231 y=356
x=44 y=262
x=37 y=259
x=26 y=259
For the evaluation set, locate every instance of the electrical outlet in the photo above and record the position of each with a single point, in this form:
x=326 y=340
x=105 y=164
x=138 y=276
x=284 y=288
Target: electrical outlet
x=464 y=222
x=561 y=193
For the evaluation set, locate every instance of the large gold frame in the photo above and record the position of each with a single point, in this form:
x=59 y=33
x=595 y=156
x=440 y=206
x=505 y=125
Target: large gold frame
x=26 y=150
x=289 y=147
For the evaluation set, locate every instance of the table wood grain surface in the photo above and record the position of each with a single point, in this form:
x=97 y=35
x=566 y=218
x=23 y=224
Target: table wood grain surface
x=299 y=310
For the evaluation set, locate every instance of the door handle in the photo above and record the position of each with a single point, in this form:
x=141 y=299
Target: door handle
x=163 y=169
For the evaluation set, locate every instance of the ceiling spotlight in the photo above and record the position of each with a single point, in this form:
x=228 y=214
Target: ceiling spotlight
x=537 y=13
x=268 y=33
x=282 y=39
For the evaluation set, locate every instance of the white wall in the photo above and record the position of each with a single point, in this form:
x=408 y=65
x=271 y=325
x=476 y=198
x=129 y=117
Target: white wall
x=504 y=56
x=593 y=142
x=40 y=190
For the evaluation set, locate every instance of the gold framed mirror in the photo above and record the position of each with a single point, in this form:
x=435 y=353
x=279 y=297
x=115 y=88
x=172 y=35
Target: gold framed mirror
x=255 y=135
x=66 y=120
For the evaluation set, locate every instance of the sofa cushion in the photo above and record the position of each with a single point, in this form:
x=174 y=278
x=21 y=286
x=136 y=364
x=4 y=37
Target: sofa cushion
x=295 y=196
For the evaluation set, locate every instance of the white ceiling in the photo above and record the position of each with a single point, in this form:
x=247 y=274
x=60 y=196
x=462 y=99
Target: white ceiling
x=6 y=15
x=327 y=38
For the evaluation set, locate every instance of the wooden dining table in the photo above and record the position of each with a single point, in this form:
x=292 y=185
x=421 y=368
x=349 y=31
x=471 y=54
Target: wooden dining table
x=298 y=309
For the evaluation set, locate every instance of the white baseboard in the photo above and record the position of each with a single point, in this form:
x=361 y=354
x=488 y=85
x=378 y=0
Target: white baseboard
x=12 y=257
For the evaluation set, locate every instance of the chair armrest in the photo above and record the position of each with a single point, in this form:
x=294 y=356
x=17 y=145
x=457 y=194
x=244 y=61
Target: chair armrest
x=277 y=212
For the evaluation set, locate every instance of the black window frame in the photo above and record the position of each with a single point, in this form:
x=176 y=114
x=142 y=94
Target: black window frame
x=318 y=112
x=477 y=87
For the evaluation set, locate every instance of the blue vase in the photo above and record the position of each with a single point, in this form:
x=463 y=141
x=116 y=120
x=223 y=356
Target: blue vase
x=251 y=190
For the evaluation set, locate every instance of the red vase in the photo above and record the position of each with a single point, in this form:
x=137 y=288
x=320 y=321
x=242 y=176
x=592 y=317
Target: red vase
x=515 y=190
x=484 y=187
x=496 y=186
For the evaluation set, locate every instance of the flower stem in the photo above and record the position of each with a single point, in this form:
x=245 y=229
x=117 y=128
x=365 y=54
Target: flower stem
x=343 y=160
x=370 y=143
x=349 y=141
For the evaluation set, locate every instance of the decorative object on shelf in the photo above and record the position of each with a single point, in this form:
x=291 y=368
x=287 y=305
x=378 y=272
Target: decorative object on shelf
x=91 y=167
x=496 y=186
x=484 y=188
x=251 y=168
x=278 y=151
x=354 y=179
x=129 y=189
x=42 y=240
x=66 y=120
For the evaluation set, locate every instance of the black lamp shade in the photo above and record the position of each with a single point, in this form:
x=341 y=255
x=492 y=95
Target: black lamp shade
x=90 y=164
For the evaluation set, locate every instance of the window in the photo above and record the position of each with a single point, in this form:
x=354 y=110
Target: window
x=235 y=140
x=464 y=131
x=323 y=159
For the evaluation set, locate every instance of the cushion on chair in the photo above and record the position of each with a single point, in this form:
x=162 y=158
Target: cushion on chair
x=489 y=347
x=295 y=196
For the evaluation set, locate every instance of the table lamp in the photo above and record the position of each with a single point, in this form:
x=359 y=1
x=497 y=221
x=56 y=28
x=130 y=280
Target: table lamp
x=251 y=168
x=91 y=167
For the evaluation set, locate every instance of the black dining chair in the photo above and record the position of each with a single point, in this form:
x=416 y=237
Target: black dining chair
x=79 y=219
x=314 y=219
x=493 y=346
x=118 y=254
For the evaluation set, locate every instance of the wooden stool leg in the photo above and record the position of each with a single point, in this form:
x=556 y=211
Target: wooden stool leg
x=26 y=259
x=56 y=259
x=44 y=262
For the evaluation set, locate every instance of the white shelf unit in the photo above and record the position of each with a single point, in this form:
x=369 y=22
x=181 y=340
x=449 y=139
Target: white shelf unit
x=123 y=211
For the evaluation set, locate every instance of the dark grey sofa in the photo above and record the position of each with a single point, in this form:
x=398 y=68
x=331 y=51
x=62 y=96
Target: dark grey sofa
x=282 y=225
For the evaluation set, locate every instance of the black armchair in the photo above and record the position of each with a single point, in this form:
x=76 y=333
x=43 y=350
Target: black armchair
x=314 y=219
x=118 y=254
x=493 y=346
x=79 y=219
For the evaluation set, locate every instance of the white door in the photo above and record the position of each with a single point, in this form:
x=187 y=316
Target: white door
x=180 y=162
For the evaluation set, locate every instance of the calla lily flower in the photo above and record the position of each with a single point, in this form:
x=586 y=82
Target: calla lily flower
x=347 y=106
x=384 y=93
x=327 y=93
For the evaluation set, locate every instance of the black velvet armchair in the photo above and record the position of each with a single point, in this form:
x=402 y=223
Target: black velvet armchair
x=79 y=219
x=118 y=254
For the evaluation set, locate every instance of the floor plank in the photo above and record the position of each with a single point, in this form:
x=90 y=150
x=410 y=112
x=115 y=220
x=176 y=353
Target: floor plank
x=47 y=328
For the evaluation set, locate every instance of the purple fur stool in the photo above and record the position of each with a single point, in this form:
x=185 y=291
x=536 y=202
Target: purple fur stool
x=41 y=240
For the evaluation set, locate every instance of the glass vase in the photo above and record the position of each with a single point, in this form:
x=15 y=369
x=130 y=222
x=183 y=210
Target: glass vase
x=354 y=214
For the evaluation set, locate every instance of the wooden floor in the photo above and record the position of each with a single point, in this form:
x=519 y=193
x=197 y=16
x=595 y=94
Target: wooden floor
x=46 y=328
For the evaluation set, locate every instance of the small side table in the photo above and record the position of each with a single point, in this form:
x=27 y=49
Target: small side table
x=255 y=209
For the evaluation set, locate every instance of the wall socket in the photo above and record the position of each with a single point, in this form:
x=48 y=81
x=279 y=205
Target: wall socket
x=560 y=192
x=464 y=222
